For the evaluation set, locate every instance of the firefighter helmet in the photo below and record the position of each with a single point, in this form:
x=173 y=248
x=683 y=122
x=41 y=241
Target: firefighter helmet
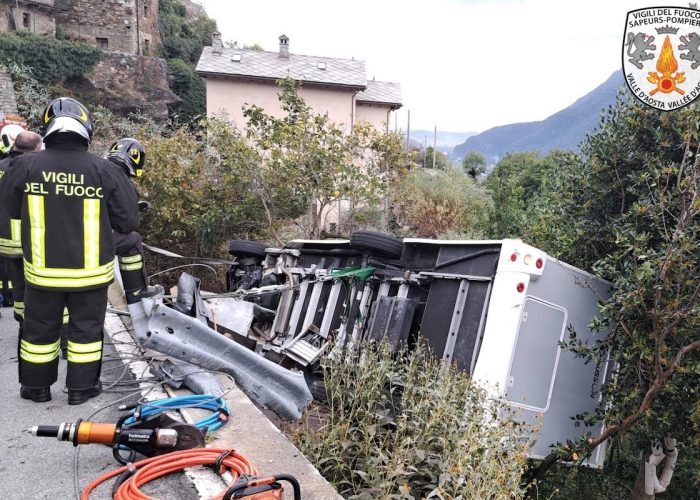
x=8 y=134
x=68 y=115
x=129 y=154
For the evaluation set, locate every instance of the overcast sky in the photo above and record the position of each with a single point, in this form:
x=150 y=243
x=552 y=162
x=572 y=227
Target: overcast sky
x=463 y=65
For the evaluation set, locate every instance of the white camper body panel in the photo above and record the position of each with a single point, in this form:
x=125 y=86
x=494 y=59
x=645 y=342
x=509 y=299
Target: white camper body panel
x=520 y=358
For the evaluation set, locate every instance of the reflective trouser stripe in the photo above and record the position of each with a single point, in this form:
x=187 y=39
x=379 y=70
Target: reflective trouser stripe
x=131 y=262
x=84 y=353
x=39 y=353
x=130 y=259
x=65 y=316
x=19 y=308
x=131 y=267
x=83 y=348
x=91 y=232
x=37 y=229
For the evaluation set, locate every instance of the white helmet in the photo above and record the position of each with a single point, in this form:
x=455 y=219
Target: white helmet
x=8 y=134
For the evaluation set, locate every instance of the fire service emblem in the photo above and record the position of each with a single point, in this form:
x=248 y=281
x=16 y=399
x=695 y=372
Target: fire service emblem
x=661 y=56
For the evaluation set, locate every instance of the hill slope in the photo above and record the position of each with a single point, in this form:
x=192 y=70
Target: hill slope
x=563 y=130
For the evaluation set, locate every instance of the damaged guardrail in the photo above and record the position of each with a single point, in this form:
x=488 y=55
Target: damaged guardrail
x=185 y=338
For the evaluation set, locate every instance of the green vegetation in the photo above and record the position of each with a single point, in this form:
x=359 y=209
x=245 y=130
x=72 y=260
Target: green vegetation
x=401 y=426
x=442 y=203
x=188 y=87
x=182 y=41
x=50 y=60
x=183 y=38
x=626 y=208
x=474 y=164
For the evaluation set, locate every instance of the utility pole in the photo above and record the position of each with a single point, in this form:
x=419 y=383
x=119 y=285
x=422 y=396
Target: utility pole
x=434 y=145
x=408 y=131
x=425 y=151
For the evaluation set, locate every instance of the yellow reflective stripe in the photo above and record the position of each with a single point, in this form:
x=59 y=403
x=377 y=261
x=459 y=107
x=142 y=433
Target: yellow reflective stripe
x=84 y=358
x=10 y=243
x=91 y=232
x=66 y=318
x=37 y=229
x=9 y=284
x=81 y=348
x=16 y=230
x=131 y=258
x=68 y=283
x=38 y=358
x=40 y=348
x=131 y=267
x=57 y=272
x=19 y=308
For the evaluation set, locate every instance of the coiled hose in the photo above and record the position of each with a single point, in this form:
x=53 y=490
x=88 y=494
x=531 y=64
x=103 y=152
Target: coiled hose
x=217 y=406
x=145 y=471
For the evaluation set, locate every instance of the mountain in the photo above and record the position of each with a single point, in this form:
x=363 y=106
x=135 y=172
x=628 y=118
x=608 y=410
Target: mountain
x=563 y=130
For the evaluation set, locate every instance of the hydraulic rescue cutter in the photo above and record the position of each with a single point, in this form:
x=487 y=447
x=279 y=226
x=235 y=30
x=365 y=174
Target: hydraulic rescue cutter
x=151 y=436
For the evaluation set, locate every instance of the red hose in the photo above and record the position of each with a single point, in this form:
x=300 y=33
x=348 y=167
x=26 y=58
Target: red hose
x=162 y=465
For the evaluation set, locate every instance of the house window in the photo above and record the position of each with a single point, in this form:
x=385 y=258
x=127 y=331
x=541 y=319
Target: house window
x=146 y=46
x=102 y=43
x=26 y=20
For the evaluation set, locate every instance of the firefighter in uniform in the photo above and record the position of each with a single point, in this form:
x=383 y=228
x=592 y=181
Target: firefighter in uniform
x=7 y=138
x=69 y=202
x=129 y=155
x=10 y=242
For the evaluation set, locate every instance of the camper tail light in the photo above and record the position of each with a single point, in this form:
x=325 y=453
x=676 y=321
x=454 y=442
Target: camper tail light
x=513 y=257
x=521 y=287
x=539 y=263
x=527 y=259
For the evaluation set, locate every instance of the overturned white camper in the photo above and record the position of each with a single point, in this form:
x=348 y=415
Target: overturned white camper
x=497 y=309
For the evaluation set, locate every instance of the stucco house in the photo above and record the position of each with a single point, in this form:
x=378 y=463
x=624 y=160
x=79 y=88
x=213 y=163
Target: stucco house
x=339 y=87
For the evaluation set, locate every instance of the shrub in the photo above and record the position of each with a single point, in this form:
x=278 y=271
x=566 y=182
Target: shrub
x=50 y=60
x=434 y=202
x=403 y=426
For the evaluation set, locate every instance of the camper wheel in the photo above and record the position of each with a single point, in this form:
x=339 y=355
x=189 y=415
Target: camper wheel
x=380 y=244
x=244 y=249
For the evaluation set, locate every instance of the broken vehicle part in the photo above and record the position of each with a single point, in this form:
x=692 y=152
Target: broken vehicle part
x=176 y=373
x=282 y=391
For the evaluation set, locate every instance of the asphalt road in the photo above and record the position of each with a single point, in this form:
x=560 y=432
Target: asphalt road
x=37 y=468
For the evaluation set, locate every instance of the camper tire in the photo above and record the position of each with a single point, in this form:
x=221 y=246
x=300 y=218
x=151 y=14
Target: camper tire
x=383 y=245
x=244 y=249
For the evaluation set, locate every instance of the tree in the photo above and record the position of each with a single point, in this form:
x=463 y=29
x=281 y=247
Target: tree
x=474 y=164
x=516 y=184
x=307 y=163
x=441 y=161
x=631 y=213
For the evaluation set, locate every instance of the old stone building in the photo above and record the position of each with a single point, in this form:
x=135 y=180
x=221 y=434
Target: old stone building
x=127 y=26
x=34 y=16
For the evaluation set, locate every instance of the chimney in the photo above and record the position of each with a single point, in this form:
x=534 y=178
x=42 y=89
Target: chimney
x=284 y=47
x=216 y=46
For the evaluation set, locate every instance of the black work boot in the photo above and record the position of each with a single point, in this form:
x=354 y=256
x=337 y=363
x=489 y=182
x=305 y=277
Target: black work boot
x=78 y=397
x=36 y=394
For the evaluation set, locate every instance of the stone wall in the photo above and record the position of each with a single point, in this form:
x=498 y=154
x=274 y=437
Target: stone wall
x=128 y=83
x=111 y=24
x=34 y=16
x=8 y=102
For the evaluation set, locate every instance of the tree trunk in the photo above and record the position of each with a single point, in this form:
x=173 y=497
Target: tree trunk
x=638 y=491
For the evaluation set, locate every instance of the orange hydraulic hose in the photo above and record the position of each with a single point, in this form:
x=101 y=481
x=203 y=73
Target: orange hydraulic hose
x=152 y=468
